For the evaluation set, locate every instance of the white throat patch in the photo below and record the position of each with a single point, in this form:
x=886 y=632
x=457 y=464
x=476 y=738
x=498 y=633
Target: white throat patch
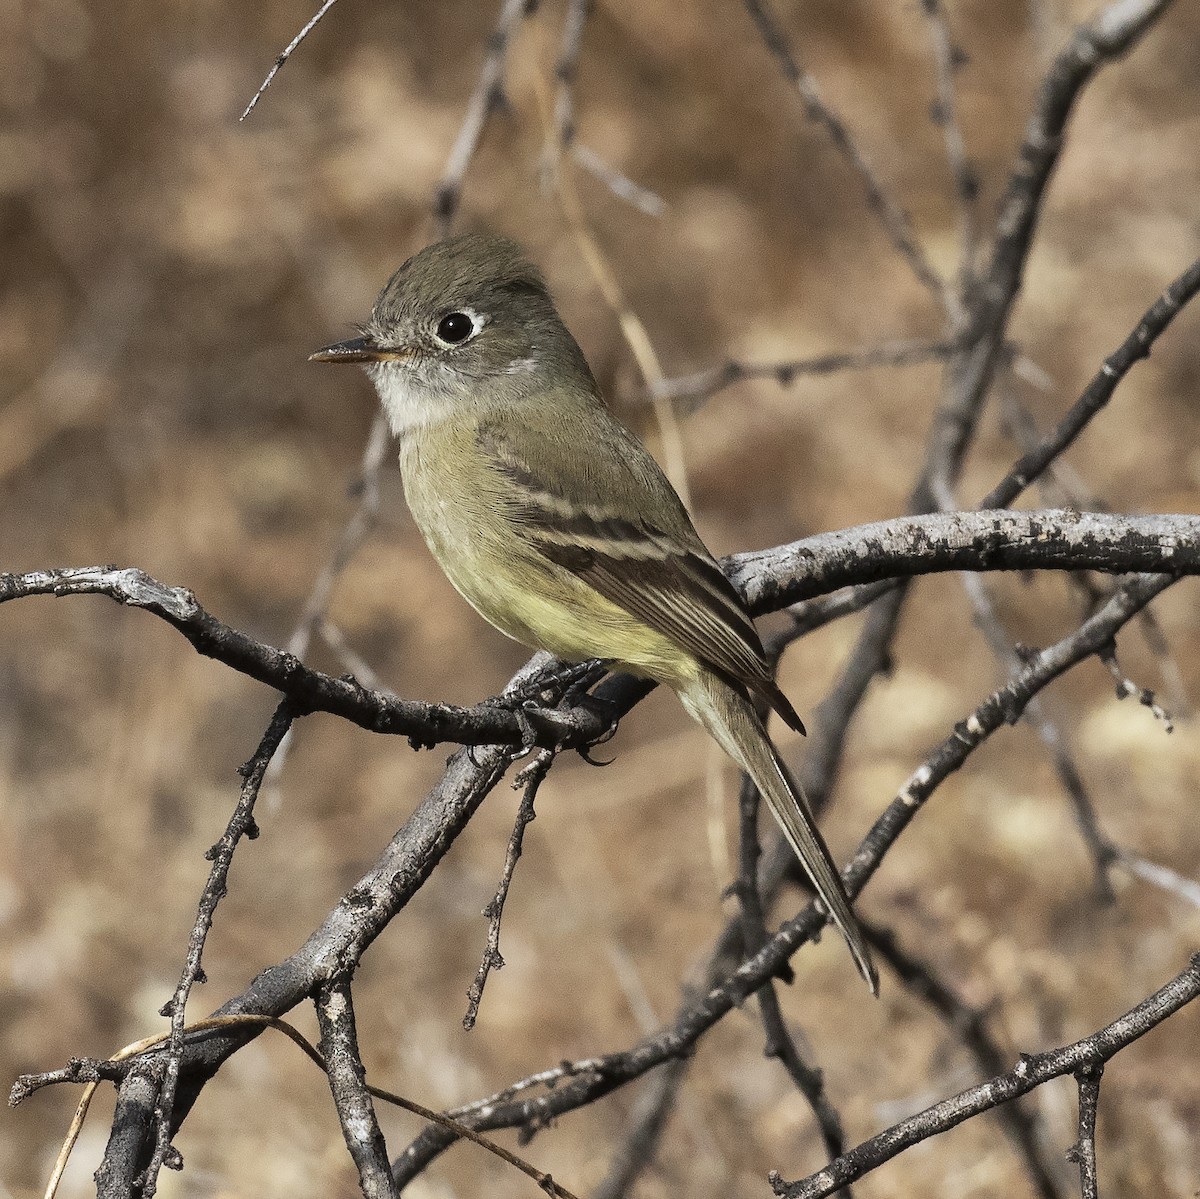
x=415 y=399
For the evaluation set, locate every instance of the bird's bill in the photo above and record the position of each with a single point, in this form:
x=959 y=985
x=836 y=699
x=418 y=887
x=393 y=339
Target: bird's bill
x=357 y=349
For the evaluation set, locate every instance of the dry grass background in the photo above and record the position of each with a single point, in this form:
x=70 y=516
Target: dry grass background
x=165 y=273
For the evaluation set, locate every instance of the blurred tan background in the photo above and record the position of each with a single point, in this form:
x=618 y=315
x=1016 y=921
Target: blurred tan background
x=165 y=271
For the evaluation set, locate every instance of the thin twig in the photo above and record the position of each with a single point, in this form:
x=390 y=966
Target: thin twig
x=1100 y=390
x=1163 y=877
x=635 y=194
x=948 y=58
x=531 y=777
x=241 y=824
x=562 y=134
x=779 y=1042
x=1071 y=491
x=348 y=656
x=1127 y=687
x=693 y=390
x=892 y=217
x=488 y=93
x=291 y=47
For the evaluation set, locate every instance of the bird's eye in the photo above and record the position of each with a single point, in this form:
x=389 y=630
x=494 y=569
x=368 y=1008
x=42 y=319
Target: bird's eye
x=455 y=328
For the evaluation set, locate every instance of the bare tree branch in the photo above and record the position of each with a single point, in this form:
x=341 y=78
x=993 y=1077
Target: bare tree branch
x=998 y=540
x=347 y=1080
x=1083 y=1152
x=768 y=579
x=1030 y=1072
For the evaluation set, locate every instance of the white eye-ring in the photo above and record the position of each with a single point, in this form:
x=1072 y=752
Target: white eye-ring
x=459 y=326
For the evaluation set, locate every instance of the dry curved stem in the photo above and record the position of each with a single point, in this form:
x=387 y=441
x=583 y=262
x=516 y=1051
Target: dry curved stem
x=1030 y=1071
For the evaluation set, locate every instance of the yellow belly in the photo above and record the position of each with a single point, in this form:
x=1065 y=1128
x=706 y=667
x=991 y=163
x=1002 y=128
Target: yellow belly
x=505 y=579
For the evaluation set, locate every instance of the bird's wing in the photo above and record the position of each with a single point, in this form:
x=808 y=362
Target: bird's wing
x=661 y=572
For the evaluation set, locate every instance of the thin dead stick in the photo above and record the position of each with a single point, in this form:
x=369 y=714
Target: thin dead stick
x=1126 y=687
x=565 y=70
x=531 y=777
x=621 y=186
x=1070 y=490
x=487 y=94
x=895 y=221
x=695 y=389
x=779 y=1043
x=241 y=824
x=292 y=46
x=1100 y=390
x=947 y=60
x=1162 y=877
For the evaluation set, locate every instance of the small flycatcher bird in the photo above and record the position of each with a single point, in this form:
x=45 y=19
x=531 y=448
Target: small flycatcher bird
x=553 y=520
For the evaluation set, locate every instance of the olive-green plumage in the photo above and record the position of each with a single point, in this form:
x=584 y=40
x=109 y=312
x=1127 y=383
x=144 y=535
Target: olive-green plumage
x=553 y=520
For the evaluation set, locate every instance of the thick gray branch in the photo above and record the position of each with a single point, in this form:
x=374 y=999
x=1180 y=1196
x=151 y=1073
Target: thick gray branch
x=769 y=579
x=971 y=541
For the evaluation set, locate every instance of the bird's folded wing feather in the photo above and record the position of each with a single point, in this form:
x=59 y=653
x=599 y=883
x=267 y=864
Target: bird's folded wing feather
x=662 y=575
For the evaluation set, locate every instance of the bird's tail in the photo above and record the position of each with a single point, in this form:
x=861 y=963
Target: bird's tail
x=731 y=720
